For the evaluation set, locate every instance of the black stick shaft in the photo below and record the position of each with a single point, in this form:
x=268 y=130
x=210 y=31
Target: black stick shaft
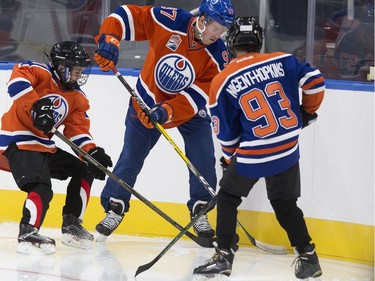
x=266 y=247
x=147 y=266
x=200 y=241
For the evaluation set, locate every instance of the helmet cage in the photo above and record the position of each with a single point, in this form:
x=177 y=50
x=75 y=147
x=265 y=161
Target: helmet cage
x=65 y=74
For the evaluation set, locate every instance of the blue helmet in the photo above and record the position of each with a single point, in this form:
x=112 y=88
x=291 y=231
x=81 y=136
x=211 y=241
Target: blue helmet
x=220 y=11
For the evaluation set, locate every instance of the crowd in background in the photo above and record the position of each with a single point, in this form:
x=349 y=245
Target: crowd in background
x=343 y=43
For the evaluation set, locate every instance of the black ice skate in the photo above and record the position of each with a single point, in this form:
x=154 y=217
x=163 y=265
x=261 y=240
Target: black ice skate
x=219 y=264
x=74 y=234
x=202 y=227
x=307 y=264
x=111 y=221
x=30 y=242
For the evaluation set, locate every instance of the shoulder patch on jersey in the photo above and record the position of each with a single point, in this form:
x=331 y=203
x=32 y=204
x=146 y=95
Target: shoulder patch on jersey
x=174 y=42
x=174 y=73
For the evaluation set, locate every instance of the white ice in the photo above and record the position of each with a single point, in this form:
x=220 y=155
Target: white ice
x=119 y=257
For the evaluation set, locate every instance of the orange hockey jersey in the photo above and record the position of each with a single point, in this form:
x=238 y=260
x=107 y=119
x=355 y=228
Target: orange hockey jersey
x=178 y=69
x=29 y=82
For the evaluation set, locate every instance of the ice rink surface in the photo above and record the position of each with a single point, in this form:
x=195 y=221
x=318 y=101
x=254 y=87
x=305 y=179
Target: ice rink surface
x=119 y=257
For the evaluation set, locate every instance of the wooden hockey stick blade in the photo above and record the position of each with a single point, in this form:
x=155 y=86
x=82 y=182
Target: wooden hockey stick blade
x=203 y=242
x=273 y=249
x=147 y=266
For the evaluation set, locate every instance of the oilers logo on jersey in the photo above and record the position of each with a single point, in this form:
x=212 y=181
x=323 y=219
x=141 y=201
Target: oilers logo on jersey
x=174 y=73
x=60 y=108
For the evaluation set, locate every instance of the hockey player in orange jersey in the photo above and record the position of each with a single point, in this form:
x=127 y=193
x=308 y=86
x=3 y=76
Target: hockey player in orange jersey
x=46 y=96
x=185 y=53
x=257 y=116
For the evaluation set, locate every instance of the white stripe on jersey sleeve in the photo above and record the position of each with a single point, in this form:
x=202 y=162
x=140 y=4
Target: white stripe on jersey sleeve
x=308 y=75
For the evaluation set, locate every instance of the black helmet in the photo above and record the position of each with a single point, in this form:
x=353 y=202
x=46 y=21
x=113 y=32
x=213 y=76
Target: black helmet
x=66 y=55
x=244 y=31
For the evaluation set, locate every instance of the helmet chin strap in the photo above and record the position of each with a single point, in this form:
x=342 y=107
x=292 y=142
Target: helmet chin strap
x=200 y=31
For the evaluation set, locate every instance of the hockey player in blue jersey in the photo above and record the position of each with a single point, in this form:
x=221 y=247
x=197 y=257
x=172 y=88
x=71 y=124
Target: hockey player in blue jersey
x=257 y=116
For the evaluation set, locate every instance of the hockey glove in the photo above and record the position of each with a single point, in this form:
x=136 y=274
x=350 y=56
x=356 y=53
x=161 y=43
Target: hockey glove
x=106 y=56
x=43 y=115
x=145 y=120
x=224 y=165
x=99 y=155
x=160 y=113
x=307 y=118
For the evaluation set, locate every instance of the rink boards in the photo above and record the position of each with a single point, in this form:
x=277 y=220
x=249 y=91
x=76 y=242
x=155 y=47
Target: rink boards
x=337 y=174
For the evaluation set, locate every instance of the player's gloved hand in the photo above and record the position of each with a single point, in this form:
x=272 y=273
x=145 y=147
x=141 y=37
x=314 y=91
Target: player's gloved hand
x=99 y=155
x=224 y=165
x=307 y=118
x=145 y=119
x=160 y=113
x=106 y=56
x=43 y=115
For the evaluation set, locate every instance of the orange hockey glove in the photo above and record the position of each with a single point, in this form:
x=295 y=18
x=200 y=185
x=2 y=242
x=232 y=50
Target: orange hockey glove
x=143 y=117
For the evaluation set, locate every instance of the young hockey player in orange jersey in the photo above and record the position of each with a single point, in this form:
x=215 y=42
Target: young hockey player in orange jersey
x=257 y=116
x=185 y=53
x=44 y=96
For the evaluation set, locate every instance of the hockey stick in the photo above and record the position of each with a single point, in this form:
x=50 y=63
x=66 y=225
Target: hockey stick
x=147 y=266
x=203 y=242
x=274 y=249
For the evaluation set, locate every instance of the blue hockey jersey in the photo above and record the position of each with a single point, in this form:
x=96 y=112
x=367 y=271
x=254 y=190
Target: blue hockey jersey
x=255 y=110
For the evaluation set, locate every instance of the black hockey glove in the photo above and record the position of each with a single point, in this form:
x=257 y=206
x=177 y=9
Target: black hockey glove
x=43 y=115
x=99 y=155
x=224 y=165
x=307 y=118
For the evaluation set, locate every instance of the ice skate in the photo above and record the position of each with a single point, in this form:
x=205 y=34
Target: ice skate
x=74 y=234
x=30 y=242
x=307 y=264
x=202 y=227
x=219 y=266
x=111 y=221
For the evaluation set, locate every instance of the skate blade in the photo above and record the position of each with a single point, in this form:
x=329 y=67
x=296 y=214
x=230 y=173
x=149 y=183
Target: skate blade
x=75 y=242
x=100 y=237
x=311 y=279
x=314 y=278
x=30 y=249
x=213 y=277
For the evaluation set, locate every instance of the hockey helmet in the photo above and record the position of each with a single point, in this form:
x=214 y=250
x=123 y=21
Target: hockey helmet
x=220 y=11
x=244 y=31
x=65 y=57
